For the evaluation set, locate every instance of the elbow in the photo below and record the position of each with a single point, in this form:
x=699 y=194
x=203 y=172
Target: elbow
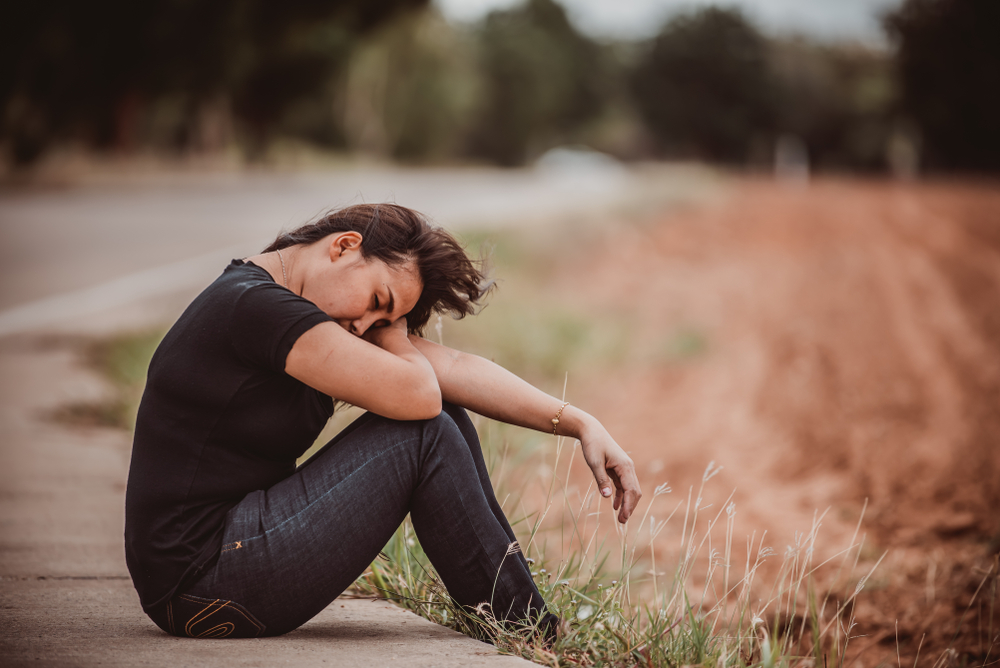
x=432 y=410
x=424 y=403
x=431 y=403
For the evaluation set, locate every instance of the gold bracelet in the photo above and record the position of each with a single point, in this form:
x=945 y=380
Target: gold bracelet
x=555 y=420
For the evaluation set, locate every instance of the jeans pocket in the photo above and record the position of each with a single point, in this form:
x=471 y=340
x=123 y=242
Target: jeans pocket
x=196 y=617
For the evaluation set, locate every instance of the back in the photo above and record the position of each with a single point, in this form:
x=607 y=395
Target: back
x=219 y=419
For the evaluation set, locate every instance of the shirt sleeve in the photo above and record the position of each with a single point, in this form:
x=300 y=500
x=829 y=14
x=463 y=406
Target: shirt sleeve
x=267 y=321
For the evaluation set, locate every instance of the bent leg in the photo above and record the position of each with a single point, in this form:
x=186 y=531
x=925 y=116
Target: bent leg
x=290 y=550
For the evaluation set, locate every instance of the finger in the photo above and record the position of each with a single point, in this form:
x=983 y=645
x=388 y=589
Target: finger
x=628 y=489
x=618 y=488
x=632 y=494
x=601 y=476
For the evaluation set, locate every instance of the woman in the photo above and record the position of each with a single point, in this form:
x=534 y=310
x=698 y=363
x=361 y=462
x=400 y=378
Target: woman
x=226 y=538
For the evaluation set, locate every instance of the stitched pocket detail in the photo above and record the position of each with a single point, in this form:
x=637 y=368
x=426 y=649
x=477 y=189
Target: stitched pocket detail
x=211 y=618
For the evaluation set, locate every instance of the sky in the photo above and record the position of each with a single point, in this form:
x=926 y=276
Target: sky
x=833 y=20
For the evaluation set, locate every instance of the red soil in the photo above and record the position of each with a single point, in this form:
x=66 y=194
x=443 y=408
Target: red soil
x=853 y=353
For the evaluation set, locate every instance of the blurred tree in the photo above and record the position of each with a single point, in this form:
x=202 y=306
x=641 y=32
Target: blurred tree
x=704 y=88
x=949 y=72
x=87 y=71
x=411 y=88
x=837 y=98
x=542 y=82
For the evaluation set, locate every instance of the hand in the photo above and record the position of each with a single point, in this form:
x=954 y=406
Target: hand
x=609 y=463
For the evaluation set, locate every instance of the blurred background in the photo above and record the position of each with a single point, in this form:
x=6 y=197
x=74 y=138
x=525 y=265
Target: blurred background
x=867 y=85
x=761 y=233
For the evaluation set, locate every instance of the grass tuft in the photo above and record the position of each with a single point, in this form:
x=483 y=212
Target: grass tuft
x=618 y=609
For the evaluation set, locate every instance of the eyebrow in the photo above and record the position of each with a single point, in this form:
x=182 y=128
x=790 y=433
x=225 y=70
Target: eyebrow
x=392 y=301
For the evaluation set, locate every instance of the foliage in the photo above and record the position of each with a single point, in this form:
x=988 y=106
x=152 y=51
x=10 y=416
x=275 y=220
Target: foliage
x=393 y=79
x=542 y=82
x=410 y=89
x=949 y=73
x=86 y=71
x=837 y=99
x=704 y=88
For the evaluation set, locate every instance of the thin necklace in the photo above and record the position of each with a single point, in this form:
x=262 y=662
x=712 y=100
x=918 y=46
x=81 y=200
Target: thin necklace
x=282 y=260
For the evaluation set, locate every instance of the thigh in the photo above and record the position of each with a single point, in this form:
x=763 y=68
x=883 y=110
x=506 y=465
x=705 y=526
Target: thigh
x=290 y=550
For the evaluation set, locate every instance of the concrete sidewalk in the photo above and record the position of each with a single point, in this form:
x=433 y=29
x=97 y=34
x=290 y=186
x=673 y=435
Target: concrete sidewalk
x=65 y=596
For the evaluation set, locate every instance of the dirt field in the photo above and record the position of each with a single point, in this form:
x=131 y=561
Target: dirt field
x=851 y=351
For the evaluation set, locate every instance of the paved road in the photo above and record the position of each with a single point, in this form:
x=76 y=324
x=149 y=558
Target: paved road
x=66 y=253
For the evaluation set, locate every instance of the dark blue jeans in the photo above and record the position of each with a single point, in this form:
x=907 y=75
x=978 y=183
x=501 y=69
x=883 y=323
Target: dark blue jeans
x=290 y=550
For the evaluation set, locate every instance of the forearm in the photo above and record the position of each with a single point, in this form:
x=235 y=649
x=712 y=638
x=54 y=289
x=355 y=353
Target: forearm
x=487 y=388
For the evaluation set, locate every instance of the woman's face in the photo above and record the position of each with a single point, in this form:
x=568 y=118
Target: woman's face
x=359 y=293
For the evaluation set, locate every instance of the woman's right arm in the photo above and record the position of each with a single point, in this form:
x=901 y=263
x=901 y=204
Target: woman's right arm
x=391 y=378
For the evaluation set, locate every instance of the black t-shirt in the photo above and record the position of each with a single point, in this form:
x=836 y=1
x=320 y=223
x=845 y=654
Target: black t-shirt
x=219 y=419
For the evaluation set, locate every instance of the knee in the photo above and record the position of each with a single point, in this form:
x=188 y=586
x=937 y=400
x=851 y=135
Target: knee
x=442 y=424
x=440 y=437
x=458 y=415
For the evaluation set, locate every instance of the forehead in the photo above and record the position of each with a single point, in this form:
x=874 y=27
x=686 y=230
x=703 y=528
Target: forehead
x=403 y=279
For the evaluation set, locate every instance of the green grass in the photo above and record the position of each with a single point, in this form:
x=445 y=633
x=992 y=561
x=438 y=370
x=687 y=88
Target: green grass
x=703 y=604
x=122 y=359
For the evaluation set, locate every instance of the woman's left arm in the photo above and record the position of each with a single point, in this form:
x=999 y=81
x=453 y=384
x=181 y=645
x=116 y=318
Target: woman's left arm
x=482 y=386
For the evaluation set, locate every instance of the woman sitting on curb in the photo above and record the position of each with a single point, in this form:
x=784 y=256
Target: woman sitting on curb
x=225 y=537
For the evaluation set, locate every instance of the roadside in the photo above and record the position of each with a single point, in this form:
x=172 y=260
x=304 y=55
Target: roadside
x=65 y=595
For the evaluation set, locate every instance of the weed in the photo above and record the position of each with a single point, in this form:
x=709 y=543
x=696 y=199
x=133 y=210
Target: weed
x=602 y=579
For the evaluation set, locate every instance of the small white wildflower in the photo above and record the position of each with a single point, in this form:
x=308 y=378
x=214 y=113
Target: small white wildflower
x=765 y=553
x=731 y=509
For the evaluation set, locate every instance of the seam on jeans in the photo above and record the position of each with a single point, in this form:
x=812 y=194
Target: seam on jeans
x=331 y=490
x=236 y=607
x=170 y=617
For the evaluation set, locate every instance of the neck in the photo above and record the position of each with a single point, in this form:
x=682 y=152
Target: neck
x=271 y=263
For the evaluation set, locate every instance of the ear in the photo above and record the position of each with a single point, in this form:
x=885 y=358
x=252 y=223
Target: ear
x=344 y=242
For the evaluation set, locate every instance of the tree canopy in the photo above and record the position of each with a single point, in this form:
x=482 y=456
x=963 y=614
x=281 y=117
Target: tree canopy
x=82 y=69
x=949 y=73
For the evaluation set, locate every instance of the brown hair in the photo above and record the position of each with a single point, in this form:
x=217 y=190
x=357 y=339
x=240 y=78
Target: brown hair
x=452 y=283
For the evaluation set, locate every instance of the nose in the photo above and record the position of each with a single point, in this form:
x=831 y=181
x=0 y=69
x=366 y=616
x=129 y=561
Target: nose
x=360 y=326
